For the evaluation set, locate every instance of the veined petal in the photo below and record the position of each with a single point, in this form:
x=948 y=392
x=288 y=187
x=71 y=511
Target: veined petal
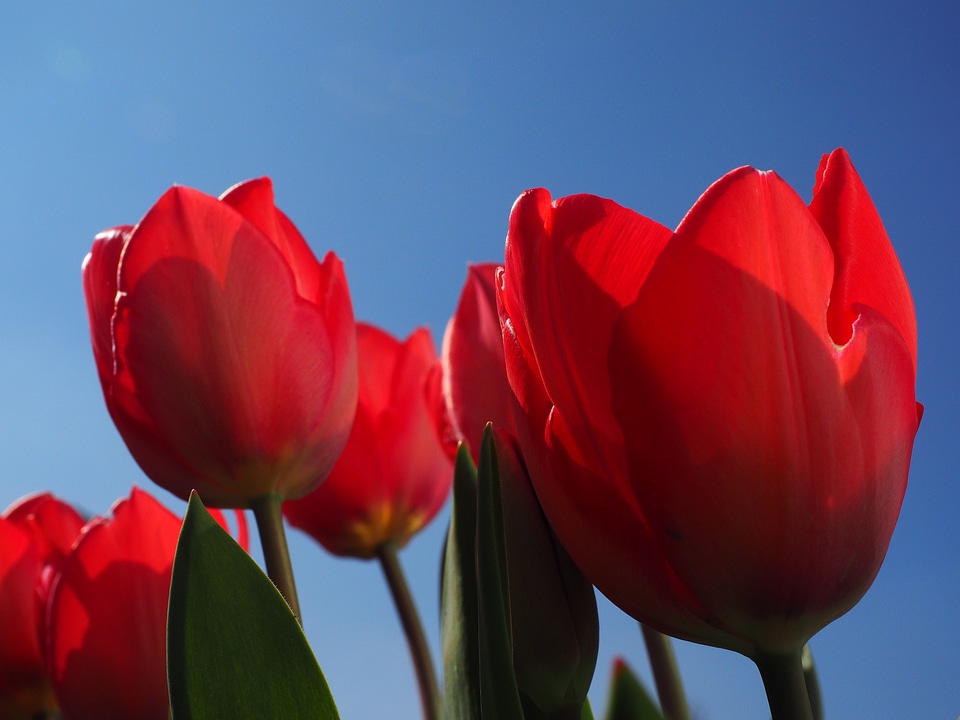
x=254 y=200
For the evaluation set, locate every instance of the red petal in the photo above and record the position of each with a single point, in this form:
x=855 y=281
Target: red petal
x=21 y=662
x=475 y=378
x=867 y=270
x=254 y=200
x=99 y=273
x=54 y=524
x=108 y=615
x=413 y=450
x=569 y=270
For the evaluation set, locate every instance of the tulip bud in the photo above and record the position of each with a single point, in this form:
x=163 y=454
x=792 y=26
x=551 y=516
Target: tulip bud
x=553 y=609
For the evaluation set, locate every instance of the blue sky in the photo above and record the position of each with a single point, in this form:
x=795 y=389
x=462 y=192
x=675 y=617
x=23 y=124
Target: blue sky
x=399 y=136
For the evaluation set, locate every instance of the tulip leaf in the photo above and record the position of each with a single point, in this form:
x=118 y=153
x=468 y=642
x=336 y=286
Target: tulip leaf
x=499 y=695
x=629 y=700
x=459 y=623
x=234 y=648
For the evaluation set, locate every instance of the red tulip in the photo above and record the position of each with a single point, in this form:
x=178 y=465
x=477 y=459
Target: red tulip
x=718 y=421
x=475 y=384
x=394 y=474
x=226 y=352
x=35 y=534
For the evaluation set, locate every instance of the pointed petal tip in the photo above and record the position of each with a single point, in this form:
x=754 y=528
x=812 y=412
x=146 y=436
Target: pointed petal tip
x=259 y=184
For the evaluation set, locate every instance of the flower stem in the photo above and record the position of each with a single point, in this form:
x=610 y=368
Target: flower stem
x=786 y=686
x=413 y=628
x=812 y=682
x=273 y=540
x=666 y=674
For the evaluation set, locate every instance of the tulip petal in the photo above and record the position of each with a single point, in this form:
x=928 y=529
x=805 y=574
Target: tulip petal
x=154 y=454
x=54 y=524
x=99 y=273
x=21 y=661
x=868 y=272
x=254 y=200
x=107 y=615
x=570 y=267
x=475 y=382
x=414 y=444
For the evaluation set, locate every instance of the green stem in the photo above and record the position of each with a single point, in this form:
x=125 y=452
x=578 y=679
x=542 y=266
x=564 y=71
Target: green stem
x=666 y=675
x=812 y=682
x=273 y=539
x=413 y=628
x=786 y=686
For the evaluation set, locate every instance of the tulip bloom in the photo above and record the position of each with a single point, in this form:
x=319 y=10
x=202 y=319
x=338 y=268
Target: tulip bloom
x=226 y=352
x=35 y=534
x=718 y=421
x=394 y=474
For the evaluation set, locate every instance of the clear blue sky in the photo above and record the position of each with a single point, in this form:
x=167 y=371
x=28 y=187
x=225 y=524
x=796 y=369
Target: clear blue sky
x=399 y=134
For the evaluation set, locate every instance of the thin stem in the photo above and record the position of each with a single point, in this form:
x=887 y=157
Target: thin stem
x=273 y=539
x=784 y=681
x=812 y=682
x=666 y=674
x=413 y=628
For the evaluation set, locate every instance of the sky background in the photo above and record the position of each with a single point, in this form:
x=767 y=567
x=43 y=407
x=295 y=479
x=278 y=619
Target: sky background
x=399 y=135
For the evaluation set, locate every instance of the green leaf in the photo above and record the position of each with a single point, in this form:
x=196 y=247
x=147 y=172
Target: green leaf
x=459 y=622
x=629 y=700
x=586 y=712
x=234 y=649
x=499 y=696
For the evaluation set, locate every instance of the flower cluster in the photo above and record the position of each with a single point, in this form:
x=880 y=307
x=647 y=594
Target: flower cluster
x=84 y=606
x=712 y=425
